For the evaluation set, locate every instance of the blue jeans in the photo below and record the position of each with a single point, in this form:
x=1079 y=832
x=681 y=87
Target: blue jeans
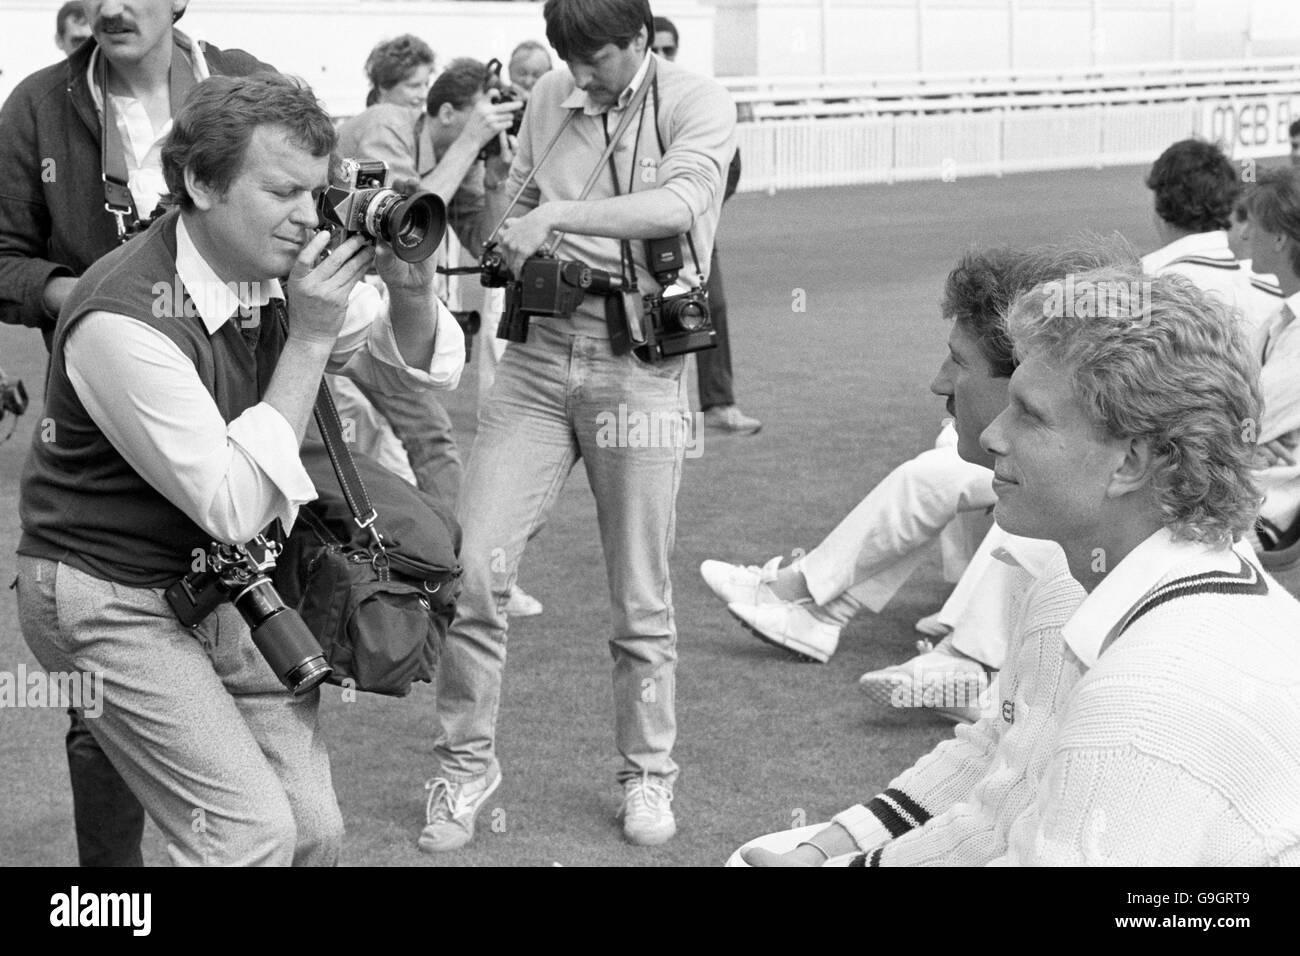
x=559 y=398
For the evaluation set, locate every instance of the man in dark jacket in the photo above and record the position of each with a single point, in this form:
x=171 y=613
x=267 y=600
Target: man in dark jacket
x=54 y=224
x=53 y=220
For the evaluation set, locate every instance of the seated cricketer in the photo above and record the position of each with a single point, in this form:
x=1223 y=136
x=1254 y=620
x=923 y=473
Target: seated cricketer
x=1173 y=687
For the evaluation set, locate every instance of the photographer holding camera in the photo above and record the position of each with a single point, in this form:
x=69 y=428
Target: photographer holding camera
x=657 y=140
x=68 y=134
x=182 y=377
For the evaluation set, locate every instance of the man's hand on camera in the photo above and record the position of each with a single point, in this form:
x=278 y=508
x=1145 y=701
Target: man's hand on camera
x=525 y=236
x=489 y=119
x=318 y=292
x=405 y=280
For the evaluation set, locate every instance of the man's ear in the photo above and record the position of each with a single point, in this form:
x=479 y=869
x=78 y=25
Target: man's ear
x=1135 y=469
x=445 y=113
x=641 y=41
x=204 y=196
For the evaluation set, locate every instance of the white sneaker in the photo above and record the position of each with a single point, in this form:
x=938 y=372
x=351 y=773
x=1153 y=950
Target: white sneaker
x=522 y=604
x=939 y=678
x=647 y=811
x=741 y=584
x=791 y=626
x=451 y=809
x=931 y=626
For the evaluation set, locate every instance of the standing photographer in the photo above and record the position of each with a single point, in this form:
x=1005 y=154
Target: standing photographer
x=554 y=390
x=178 y=405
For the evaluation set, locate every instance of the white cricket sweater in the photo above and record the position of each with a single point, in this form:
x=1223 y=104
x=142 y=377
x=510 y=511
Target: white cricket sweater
x=956 y=804
x=1181 y=744
x=1160 y=726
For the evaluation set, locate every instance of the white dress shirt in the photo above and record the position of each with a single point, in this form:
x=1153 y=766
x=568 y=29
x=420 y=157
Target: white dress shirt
x=143 y=143
x=231 y=480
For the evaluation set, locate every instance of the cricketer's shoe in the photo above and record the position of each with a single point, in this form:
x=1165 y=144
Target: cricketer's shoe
x=791 y=626
x=939 y=678
x=741 y=584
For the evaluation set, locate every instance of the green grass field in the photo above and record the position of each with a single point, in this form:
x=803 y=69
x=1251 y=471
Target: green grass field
x=842 y=389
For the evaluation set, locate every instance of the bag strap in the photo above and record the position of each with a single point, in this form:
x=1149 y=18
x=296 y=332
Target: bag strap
x=345 y=469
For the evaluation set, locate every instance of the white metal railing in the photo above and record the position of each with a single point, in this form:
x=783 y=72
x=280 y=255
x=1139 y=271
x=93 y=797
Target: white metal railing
x=1146 y=76
x=806 y=131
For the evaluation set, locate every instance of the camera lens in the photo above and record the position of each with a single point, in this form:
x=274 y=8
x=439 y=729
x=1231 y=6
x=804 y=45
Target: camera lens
x=689 y=313
x=413 y=226
x=282 y=637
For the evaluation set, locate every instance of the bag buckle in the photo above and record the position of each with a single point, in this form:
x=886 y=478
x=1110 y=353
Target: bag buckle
x=119 y=213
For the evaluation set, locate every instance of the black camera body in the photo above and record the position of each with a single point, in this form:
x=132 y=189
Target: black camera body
x=231 y=572
x=678 y=319
x=553 y=288
x=498 y=93
x=679 y=323
x=13 y=396
x=413 y=225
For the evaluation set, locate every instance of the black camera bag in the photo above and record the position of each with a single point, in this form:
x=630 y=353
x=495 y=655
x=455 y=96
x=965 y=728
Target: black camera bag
x=377 y=589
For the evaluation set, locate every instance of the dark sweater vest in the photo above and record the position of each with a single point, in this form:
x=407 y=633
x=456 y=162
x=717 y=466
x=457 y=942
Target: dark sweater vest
x=81 y=503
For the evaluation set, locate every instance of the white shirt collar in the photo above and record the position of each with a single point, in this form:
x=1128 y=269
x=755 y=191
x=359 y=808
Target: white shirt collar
x=1212 y=245
x=215 y=300
x=1104 y=610
x=1032 y=554
x=579 y=98
x=191 y=46
x=1294 y=302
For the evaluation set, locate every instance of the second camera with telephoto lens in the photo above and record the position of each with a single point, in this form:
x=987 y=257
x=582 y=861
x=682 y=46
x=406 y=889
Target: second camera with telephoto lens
x=413 y=225
x=231 y=572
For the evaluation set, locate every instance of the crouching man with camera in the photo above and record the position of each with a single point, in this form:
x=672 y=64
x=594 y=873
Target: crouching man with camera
x=182 y=376
x=622 y=149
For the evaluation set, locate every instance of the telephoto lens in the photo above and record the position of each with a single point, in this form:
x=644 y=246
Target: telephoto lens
x=282 y=637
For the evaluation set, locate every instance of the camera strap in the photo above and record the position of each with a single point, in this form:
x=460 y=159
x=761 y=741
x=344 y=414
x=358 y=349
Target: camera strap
x=638 y=100
x=626 y=330
x=345 y=468
x=112 y=150
x=659 y=136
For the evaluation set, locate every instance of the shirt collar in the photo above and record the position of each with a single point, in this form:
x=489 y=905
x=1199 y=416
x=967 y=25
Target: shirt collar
x=215 y=300
x=1212 y=245
x=179 y=39
x=1294 y=302
x=1032 y=554
x=1104 y=610
x=578 y=98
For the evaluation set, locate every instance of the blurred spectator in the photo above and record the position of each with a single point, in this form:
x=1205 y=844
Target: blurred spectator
x=399 y=72
x=1274 y=236
x=717 y=400
x=1294 y=133
x=438 y=150
x=71 y=28
x=1194 y=187
x=528 y=62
